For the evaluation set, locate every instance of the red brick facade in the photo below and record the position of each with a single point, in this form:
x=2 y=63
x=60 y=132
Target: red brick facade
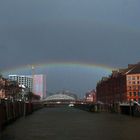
x=112 y=89
x=122 y=86
x=8 y=88
x=133 y=87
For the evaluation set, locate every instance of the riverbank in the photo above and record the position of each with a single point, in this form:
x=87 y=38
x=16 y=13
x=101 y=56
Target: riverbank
x=10 y=111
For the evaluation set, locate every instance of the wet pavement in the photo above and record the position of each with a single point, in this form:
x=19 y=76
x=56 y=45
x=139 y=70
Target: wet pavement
x=67 y=123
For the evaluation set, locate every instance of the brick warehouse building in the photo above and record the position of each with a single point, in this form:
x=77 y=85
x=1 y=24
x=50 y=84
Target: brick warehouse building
x=121 y=86
x=8 y=88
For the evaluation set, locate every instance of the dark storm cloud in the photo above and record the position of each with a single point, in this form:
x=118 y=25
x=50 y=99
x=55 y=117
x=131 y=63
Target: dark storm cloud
x=90 y=31
x=30 y=11
x=68 y=42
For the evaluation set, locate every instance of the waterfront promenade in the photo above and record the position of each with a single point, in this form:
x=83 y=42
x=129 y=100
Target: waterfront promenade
x=68 y=123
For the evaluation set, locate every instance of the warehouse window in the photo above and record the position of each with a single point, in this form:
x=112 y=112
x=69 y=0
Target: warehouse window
x=133 y=78
x=134 y=93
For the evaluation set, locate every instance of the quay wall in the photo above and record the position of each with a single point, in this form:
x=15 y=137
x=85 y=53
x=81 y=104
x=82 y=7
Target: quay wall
x=10 y=111
x=133 y=110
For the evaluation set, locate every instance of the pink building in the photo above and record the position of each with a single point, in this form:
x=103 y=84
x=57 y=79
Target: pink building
x=91 y=96
x=39 y=85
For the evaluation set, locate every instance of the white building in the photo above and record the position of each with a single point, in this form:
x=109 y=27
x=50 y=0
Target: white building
x=35 y=83
x=25 y=80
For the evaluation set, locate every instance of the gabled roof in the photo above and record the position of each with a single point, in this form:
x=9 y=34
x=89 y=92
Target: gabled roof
x=134 y=70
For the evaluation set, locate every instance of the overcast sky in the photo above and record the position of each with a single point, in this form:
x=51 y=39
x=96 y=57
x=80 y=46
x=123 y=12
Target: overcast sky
x=89 y=31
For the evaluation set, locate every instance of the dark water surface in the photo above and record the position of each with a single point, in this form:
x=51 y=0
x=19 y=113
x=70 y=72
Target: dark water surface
x=73 y=124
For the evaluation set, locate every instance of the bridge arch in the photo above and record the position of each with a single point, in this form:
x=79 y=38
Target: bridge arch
x=61 y=99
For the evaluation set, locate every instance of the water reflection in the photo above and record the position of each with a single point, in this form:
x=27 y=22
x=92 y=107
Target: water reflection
x=72 y=124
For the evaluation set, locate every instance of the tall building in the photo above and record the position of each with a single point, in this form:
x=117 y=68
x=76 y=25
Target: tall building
x=35 y=83
x=39 y=85
x=133 y=83
x=25 y=80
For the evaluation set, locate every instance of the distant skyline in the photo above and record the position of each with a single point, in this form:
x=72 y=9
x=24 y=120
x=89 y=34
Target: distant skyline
x=77 y=78
x=103 y=32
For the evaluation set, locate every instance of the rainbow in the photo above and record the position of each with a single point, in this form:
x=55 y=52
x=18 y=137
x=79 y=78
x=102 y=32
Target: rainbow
x=71 y=74
x=79 y=65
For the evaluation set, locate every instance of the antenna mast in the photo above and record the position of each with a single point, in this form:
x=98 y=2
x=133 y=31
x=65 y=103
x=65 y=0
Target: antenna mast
x=33 y=70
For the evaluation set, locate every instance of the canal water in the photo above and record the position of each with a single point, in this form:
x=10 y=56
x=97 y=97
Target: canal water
x=68 y=123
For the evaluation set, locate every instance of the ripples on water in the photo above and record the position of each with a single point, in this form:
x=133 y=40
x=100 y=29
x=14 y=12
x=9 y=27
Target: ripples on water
x=72 y=124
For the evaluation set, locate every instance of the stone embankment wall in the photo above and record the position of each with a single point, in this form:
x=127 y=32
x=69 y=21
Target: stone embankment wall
x=10 y=111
